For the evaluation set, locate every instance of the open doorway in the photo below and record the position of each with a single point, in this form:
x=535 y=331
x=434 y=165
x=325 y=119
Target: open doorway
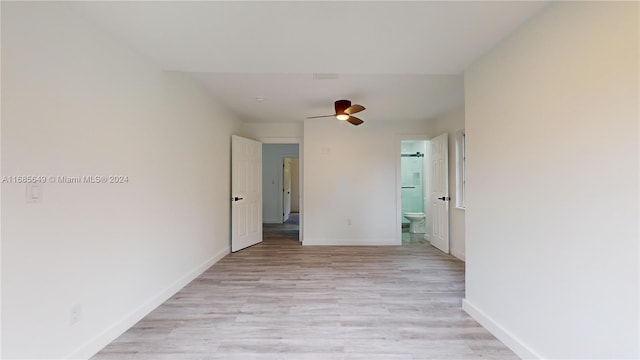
x=281 y=195
x=290 y=189
x=415 y=191
x=422 y=191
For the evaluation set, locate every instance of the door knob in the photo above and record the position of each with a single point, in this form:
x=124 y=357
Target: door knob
x=236 y=198
x=444 y=198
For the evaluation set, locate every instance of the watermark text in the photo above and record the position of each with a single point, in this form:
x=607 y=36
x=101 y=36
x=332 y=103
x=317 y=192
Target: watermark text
x=65 y=179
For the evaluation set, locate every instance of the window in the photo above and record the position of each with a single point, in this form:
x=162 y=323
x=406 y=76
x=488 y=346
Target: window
x=461 y=176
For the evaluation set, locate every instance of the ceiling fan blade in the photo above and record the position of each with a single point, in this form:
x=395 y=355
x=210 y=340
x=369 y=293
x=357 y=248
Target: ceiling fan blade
x=341 y=106
x=323 y=116
x=354 y=120
x=355 y=108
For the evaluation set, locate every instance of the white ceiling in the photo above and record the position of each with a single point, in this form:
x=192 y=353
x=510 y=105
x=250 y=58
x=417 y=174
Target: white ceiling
x=402 y=60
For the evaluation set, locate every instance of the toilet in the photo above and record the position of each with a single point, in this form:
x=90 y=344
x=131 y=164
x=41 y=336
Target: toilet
x=417 y=222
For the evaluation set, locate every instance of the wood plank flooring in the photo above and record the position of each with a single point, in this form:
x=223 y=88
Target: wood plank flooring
x=279 y=300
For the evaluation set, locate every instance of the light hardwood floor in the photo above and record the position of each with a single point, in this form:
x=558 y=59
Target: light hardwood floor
x=279 y=300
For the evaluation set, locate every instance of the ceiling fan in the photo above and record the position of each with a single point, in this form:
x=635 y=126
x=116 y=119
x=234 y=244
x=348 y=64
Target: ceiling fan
x=344 y=112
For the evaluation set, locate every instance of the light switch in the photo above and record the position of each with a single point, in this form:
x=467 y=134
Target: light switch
x=34 y=193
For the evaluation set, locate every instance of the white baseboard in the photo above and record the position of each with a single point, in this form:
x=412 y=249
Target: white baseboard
x=96 y=344
x=352 y=242
x=512 y=342
x=457 y=253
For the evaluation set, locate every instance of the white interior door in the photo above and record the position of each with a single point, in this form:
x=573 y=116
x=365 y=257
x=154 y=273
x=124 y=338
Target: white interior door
x=440 y=192
x=246 y=192
x=286 y=189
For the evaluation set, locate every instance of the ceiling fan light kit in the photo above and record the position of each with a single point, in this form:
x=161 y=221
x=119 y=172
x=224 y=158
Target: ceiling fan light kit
x=344 y=112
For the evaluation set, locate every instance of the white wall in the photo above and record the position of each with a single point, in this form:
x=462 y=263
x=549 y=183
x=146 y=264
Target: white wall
x=74 y=102
x=272 y=155
x=552 y=211
x=350 y=176
x=451 y=122
x=273 y=131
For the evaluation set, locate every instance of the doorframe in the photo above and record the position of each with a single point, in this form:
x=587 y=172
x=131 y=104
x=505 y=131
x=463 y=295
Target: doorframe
x=399 y=140
x=299 y=141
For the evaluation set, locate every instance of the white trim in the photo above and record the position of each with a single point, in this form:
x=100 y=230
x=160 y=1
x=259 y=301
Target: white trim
x=458 y=254
x=511 y=341
x=460 y=148
x=91 y=347
x=353 y=242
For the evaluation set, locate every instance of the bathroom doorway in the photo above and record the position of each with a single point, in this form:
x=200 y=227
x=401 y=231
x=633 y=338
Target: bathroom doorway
x=414 y=175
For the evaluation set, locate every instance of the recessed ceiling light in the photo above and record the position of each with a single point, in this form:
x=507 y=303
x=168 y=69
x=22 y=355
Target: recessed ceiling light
x=259 y=98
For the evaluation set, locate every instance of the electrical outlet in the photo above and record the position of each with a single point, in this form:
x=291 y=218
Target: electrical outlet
x=76 y=314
